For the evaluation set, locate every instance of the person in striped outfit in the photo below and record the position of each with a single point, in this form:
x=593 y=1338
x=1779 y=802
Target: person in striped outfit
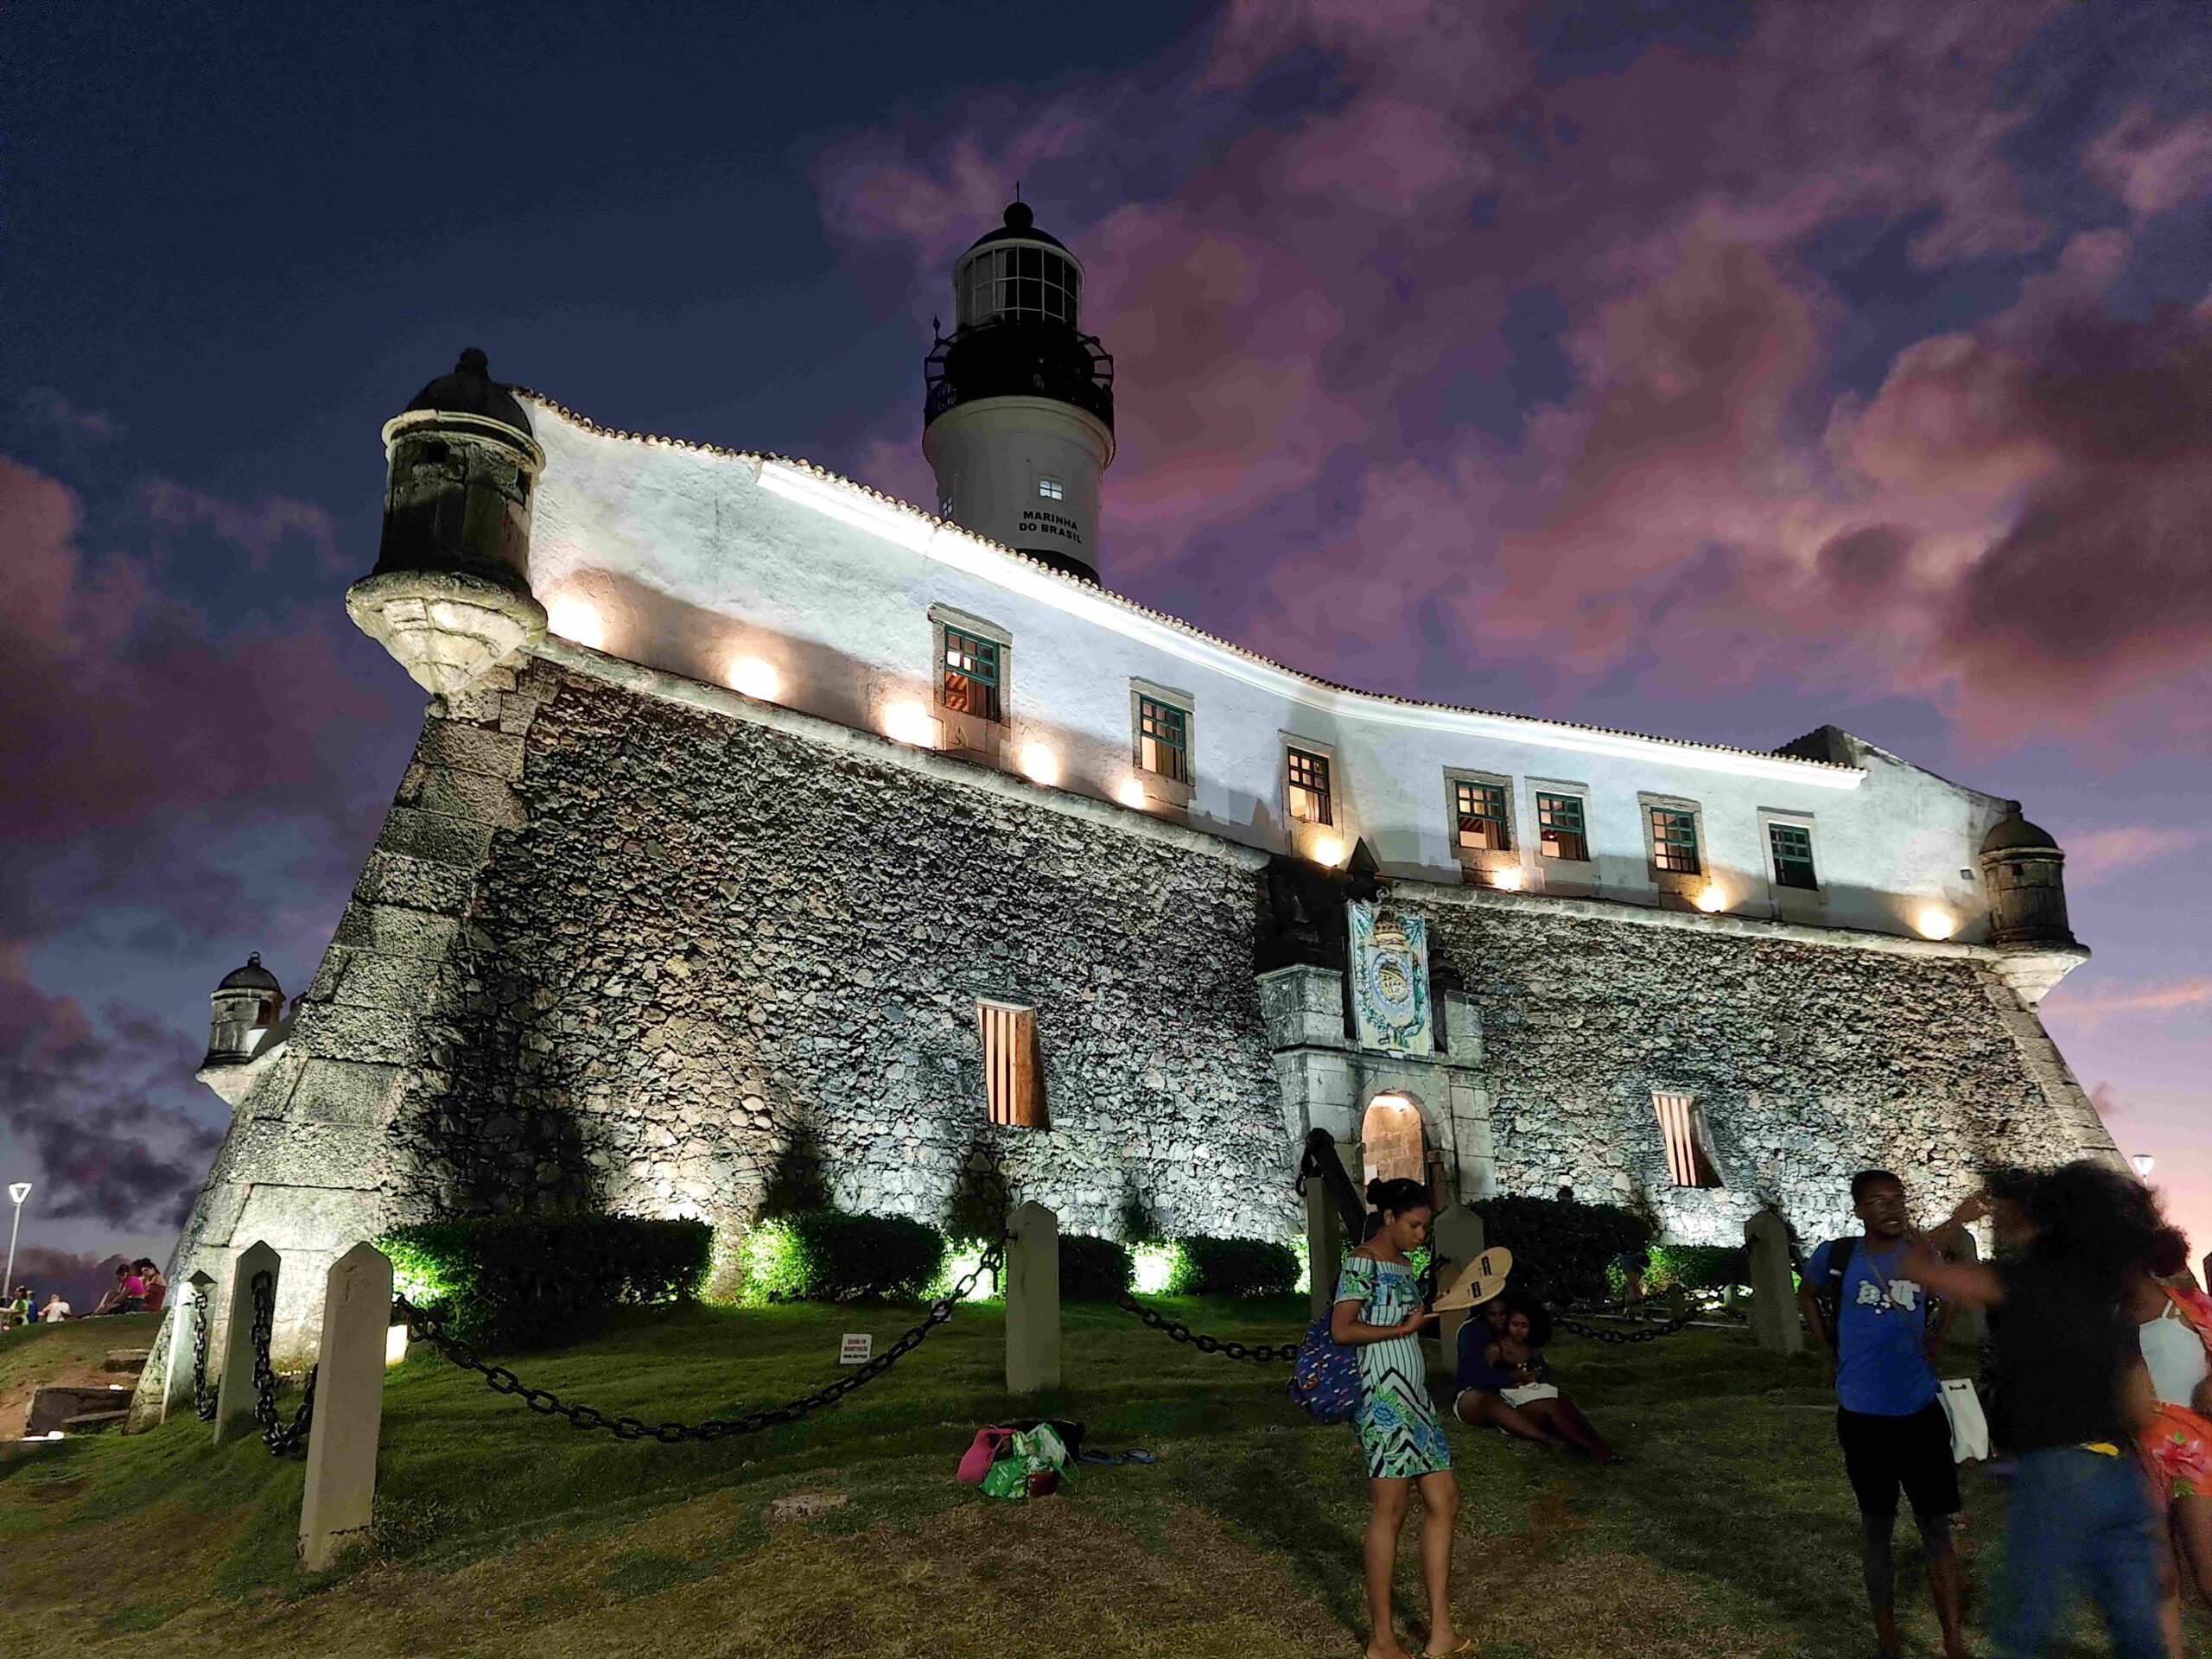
x=1379 y=1311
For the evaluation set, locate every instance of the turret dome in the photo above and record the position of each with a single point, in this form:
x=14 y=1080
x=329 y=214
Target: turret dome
x=251 y=977
x=2015 y=834
x=470 y=390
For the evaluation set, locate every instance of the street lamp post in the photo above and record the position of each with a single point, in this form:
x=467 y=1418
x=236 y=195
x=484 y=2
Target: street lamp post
x=19 y=1191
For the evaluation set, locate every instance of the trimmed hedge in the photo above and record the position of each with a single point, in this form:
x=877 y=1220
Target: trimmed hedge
x=1231 y=1267
x=826 y=1255
x=1562 y=1248
x=524 y=1282
x=1093 y=1269
x=1697 y=1267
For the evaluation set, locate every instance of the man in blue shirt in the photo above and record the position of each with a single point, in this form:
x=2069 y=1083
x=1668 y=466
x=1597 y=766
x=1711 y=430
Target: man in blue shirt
x=1870 y=1318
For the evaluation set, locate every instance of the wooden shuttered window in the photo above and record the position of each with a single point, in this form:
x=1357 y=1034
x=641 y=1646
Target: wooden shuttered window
x=1678 y=1128
x=1013 y=1076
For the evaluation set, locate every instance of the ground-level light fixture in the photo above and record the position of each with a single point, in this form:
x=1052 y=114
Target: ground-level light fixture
x=1040 y=765
x=1326 y=850
x=1935 y=924
x=1711 y=898
x=1507 y=879
x=1130 y=793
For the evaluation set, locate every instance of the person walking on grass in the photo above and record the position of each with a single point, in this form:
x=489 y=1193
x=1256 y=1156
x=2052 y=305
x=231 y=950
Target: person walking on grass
x=1870 y=1316
x=2072 y=1395
x=1379 y=1311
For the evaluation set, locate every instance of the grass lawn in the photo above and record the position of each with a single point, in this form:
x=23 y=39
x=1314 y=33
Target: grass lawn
x=1730 y=1533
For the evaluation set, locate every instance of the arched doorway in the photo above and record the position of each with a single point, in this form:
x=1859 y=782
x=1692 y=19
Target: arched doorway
x=1394 y=1145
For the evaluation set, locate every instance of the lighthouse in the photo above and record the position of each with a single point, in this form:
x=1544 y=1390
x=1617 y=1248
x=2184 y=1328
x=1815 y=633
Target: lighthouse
x=1018 y=417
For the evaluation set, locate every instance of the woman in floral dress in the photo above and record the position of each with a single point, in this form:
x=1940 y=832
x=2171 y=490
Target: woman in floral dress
x=1378 y=1311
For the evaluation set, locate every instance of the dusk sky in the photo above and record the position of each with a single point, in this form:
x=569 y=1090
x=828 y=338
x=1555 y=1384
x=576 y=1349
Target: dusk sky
x=1703 y=369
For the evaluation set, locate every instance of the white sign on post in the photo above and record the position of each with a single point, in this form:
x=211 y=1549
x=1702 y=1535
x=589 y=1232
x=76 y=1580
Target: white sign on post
x=855 y=1349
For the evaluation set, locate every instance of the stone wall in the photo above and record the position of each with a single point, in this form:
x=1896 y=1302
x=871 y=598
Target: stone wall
x=630 y=943
x=1810 y=1062
x=717 y=963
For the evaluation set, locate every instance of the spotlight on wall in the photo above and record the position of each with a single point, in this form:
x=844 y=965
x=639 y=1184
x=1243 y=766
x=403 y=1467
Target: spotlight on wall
x=1040 y=765
x=909 y=722
x=1710 y=898
x=1326 y=850
x=573 y=617
x=2144 y=1162
x=754 y=678
x=1935 y=923
x=1130 y=793
x=1507 y=879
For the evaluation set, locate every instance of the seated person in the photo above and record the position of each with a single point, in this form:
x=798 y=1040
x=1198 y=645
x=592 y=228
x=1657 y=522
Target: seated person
x=129 y=1294
x=55 y=1310
x=1505 y=1382
x=157 y=1287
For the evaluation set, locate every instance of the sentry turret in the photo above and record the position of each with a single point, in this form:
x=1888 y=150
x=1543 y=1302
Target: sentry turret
x=450 y=594
x=1018 y=419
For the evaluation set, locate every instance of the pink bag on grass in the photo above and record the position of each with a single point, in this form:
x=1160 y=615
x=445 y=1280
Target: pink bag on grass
x=976 y=1462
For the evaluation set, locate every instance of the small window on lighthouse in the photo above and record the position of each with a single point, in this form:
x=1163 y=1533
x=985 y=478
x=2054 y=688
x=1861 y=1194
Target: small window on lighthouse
x=1051 y=489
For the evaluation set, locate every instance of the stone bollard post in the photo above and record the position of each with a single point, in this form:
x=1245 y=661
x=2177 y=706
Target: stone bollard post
x=193 y=1310
x=1455 y=1240
x=341 y=1490
x=1032 y=1300
x=1324 y=1240
x=234 y=1401
x=1774 y=1297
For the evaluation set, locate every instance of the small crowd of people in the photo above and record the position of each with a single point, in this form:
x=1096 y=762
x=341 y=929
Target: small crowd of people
x=139 y=1287
x=2096 y=1387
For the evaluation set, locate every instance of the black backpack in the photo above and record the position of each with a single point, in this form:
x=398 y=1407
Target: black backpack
x=1828 y=1294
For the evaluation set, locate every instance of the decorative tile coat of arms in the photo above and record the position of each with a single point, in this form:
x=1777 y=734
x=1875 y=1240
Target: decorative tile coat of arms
x=1389 y=979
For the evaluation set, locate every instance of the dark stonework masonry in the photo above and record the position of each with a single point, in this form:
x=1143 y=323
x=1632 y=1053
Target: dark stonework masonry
x=716 y=959
x=615 y=950
x=1807 y=1061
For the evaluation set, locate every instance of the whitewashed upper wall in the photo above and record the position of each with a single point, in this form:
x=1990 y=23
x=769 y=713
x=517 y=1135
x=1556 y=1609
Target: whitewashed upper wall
x=692 y=561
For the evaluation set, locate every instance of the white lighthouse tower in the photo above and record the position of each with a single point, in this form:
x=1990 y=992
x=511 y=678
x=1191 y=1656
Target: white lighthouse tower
x=1018 y=418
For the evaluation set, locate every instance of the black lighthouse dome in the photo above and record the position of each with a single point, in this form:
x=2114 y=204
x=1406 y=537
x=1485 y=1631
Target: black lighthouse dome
x=1017 y=331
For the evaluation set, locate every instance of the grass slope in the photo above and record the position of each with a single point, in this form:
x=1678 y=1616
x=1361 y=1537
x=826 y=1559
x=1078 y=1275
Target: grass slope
x=501 y=1532
x=33 y=1355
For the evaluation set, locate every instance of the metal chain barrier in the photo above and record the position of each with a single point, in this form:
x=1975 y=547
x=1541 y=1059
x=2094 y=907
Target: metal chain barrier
x=282 y=1439
x=1696 y=1311
x=1650 y=1333
x=1260 y=1353
x=203 y=1396
x=430 y=1325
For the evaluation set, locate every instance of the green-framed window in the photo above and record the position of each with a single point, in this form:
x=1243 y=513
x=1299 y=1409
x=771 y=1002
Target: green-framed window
x=1307 y=788
x=1163 y=738
x=971 y=675
x=1673 y=841
x=1792 y=845
x=1478 y=812
x=1560 y=830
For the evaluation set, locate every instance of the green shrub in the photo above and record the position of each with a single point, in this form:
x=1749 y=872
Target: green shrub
x=1697 y=1267
x=523 y=1281
x=1562 y=1248
x=1093 y=1269
x=826 y=1255
x=1231 y=1267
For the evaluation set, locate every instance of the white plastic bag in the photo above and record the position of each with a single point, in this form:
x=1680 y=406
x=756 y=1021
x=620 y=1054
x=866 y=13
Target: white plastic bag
x=1969 y=1428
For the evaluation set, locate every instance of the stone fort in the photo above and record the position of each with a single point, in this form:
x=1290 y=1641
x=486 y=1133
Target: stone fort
x=766 y=835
